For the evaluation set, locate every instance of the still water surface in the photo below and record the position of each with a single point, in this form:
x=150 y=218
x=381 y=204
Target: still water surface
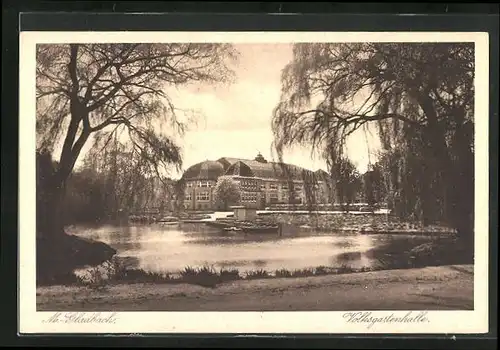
x=166 y=248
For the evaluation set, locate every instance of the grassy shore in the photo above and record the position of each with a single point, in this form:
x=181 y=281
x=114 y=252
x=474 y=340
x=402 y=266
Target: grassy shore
x=113 y=272
x=429 y=288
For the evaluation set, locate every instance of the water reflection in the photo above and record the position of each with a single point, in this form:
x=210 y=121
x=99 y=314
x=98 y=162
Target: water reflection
x=170 y=248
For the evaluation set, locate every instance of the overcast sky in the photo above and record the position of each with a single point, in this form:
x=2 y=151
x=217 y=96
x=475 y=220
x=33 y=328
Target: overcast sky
x=236 y=119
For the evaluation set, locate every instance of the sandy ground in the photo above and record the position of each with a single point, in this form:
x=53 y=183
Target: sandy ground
x=430 y=288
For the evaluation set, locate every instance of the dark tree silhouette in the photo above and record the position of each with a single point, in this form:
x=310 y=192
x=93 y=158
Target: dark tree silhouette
x=347 y=182
x=419 y=96
x=227 y=192
x=84 y=90
x=128 y=181
x=374 y=187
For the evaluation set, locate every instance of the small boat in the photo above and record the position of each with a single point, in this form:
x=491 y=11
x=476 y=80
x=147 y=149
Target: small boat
x=218 y=224
x=169 y=220
x=197 y=219
x=141 y=219
x=260 y=229
x=169 y=223
x=232 y=229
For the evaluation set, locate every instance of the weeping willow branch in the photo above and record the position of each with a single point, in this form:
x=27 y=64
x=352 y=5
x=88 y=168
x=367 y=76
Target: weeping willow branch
x=419 y=96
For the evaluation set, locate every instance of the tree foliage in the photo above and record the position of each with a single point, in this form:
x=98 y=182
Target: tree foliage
x=96 y=90
x=130 y=183
x=419 y=97
x=374 y=186
x=347 y=182
x=82 y=89
x=110 y=187
x=227 y=192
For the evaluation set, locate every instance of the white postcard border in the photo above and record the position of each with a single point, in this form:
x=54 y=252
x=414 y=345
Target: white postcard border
x=451 y=322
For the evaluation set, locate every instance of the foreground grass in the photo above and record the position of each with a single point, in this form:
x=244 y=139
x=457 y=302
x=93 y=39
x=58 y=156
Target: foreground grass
x=206 y=276
x=429 y=288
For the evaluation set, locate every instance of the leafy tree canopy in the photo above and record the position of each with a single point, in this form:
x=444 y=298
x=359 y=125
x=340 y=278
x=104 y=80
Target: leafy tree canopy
x=227 y=192
x=418 y=96
x=85 y=89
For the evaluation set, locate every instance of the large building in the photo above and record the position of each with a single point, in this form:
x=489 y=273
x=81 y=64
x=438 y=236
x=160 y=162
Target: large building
x=261 y=183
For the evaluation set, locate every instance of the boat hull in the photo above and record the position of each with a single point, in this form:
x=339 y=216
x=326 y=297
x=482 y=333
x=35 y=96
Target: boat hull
x=260 y=230
x=218 y=224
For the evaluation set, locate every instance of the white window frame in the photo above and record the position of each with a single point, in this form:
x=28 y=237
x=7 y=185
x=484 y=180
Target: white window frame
x=203 y=196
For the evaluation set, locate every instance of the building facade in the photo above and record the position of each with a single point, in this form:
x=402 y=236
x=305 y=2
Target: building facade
x=261 y=183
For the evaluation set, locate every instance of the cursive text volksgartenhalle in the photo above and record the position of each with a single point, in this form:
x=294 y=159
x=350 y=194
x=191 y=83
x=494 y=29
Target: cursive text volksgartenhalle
x=370 y=319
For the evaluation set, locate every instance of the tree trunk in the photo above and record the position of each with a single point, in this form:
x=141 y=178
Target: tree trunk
x=458 y=180
x=52 y=225
x=427 y=170
x=463 y=193
x=50 y=194
x=58 y=254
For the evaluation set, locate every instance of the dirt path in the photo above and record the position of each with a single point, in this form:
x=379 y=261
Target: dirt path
x=430 y=288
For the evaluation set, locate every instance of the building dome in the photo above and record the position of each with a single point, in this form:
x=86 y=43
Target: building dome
x=207 y=170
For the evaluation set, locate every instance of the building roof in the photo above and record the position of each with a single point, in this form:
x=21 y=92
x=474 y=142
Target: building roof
x=267 y=169
x=239 y=168
x=207 y=170
x=258 y=167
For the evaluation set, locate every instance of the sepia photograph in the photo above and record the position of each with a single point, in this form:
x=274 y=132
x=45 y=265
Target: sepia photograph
x=261 y=175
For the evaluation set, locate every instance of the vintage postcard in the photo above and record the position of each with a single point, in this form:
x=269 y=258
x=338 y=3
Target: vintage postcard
x=253 y=182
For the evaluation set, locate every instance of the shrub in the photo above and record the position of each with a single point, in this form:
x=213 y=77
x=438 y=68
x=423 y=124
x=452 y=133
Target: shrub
x=303 y=273
x=282 y=273
x=257 y=274
x=321 y=270
x=229 y=275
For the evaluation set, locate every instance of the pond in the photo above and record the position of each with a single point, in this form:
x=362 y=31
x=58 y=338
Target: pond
x=170 y=248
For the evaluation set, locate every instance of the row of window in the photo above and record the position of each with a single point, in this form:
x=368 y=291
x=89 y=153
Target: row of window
x=249 y=197
x=199 y=206
x=245 y=197
x=284 y=187
x=248 y=184
x=199 y=184
x=201 y=196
